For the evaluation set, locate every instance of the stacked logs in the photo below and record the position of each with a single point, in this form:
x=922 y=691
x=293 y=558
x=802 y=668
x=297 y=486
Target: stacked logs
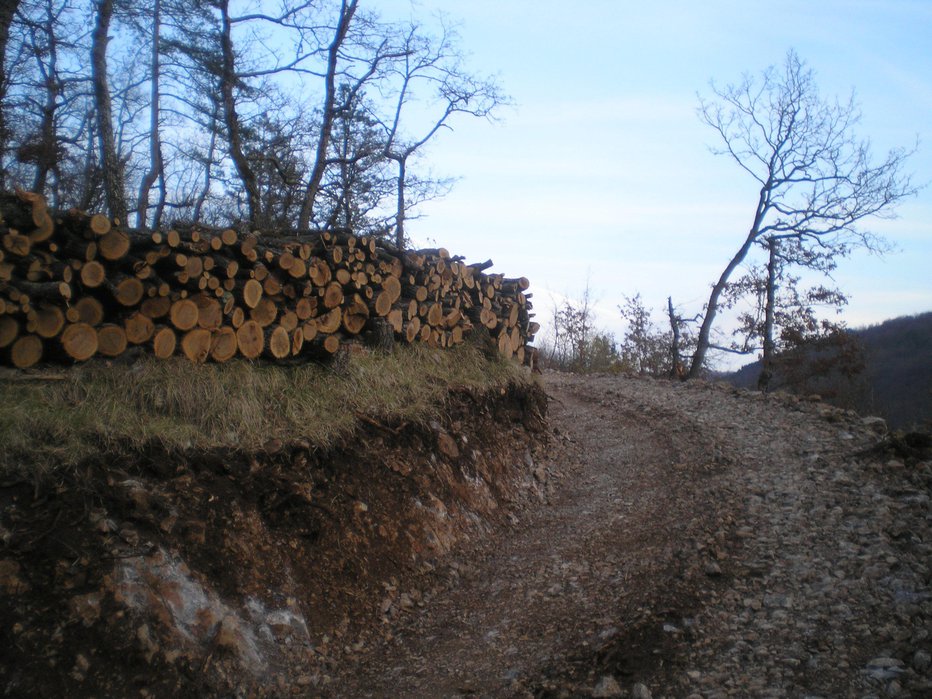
x=75 y=285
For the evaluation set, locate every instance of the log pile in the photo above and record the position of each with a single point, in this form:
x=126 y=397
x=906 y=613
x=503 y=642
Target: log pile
x=75 y=285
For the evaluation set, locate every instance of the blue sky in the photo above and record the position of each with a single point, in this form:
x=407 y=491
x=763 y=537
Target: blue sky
x=601 y=170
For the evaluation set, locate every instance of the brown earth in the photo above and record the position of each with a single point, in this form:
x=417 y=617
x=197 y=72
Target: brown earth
x=659 y=539
x=697 y=541
x=231 y=574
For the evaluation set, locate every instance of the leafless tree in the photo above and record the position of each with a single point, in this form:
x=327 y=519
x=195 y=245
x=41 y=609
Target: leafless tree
x=155 y=172
x=344 y=20
x=111 y=164
x=431 y=71
x=226 y=109
x=818 y=181
x=776 y=314
x=7 y=13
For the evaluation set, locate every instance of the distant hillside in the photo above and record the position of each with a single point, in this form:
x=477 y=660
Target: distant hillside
x=896 y=382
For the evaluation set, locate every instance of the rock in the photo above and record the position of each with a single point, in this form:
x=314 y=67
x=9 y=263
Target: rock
x=607 y=688
x=229 y=635
x=447 y=445
x=712 y=569
x=884 y=668
x=875 y=424
x=87 y=607
x=11 y=581
x=640 y=691
x=921 y=661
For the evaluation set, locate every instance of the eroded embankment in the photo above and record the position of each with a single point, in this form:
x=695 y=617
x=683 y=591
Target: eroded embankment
x=231 y=573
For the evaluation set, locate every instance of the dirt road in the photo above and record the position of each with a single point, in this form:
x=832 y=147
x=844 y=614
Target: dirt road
x=696 y=542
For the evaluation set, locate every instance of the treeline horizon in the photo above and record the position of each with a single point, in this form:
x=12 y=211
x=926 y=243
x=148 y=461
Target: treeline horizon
x=893 y=380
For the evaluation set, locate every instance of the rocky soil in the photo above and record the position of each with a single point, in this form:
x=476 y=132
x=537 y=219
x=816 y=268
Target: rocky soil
x=656 y=539
x=697 y=541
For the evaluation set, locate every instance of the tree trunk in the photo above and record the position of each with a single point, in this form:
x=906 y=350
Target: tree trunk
x=231 y=118
x=763 y=381
x=400 y=211
x=205 y=190
x=156 y=170
x=705 y=330
x=676 y=362
x=112 y=168
x=7 y=12
x=46 y=159
x=347 y=10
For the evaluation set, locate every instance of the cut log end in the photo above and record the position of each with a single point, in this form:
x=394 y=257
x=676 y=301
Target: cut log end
x=250 y=339
x=164 y=343
x=111 y=340
x=223 y=344
x=26 y=351
x=195 y=345
x=79 y=340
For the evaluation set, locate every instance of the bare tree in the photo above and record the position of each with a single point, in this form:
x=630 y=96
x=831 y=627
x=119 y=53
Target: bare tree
x=818 y=182
x=47 y=110
x=156 y=170
x=220 y=109
x=112 y=166
x=360 y=182
x=776 y=314
x=228 y=83
x=434 y=66
x=645 y=348
x=344 y=19
x=7 y=13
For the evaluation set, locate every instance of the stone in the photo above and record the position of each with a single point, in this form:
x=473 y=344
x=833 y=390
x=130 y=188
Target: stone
x=229 y=635
x=640 y=691
x=11 y=581
x=447 y=445
x=875 y=424
x=87 y=607
x=607 y=688
x=921 y=661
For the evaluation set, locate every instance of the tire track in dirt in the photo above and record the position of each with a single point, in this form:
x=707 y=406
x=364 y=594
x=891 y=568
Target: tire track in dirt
x=615 y=544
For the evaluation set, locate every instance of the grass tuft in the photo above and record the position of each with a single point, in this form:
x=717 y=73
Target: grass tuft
x=51 y=422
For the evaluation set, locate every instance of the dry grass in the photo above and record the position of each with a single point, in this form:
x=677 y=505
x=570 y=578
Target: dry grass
x=56 y=421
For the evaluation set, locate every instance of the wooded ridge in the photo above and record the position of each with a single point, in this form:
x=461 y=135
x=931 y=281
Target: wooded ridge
x=74 y=285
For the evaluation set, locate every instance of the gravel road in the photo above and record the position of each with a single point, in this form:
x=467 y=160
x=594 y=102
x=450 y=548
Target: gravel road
x=695 y=541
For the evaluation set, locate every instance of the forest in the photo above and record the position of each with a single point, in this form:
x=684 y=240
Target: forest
x=313 y=116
